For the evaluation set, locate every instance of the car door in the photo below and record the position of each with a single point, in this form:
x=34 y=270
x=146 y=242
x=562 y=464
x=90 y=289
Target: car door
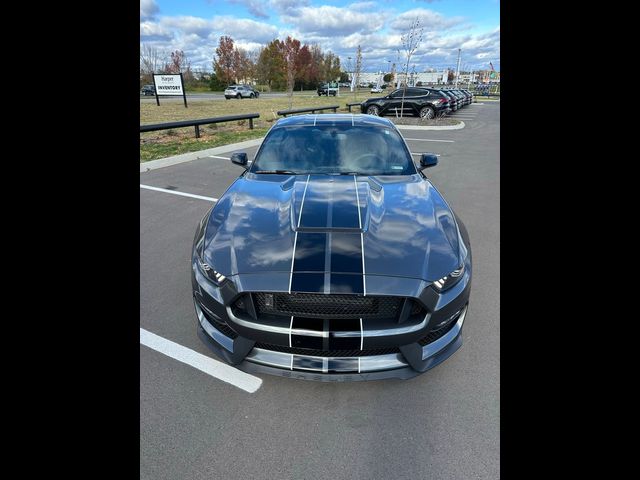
x=392 y=103
x=414 y=100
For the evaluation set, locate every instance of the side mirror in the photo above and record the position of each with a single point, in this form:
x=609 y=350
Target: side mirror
x=239 y=158
x=428 y=160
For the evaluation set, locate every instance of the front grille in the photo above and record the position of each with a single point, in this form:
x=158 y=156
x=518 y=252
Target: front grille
x=313 y=305
x=328 y=353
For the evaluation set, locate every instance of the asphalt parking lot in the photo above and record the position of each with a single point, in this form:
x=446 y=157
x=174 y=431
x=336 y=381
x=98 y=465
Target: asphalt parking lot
x=443 y=424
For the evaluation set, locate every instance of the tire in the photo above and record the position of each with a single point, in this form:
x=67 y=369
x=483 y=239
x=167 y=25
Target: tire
x=252 y=96
x=427 y=113
x=239 y=97
x=373 y=110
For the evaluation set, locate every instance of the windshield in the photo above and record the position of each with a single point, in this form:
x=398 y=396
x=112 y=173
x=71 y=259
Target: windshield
x=334 y=149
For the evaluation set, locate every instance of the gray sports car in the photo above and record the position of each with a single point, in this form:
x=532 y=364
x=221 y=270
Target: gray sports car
x=332 y=257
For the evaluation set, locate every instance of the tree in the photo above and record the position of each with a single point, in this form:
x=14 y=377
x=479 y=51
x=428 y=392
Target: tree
x=410 y=41
x=290 y=49
x=358 y=69
x=304 y=64
x=270 y=68
x=224 y=65
x=450 y=76
x=244 y=66
x=388 y=78
x=151 y=61
x=178 y=63
x=315 y=70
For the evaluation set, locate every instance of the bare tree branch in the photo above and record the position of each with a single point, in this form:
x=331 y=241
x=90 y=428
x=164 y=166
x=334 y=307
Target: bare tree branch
x=410 y=41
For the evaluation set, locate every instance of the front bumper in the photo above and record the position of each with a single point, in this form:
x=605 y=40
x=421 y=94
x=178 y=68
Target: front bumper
x=396 y=351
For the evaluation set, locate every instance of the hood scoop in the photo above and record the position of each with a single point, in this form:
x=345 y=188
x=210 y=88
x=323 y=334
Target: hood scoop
x=326 y=203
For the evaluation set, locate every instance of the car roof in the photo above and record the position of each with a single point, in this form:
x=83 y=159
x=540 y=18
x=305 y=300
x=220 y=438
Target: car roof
x=333 y=119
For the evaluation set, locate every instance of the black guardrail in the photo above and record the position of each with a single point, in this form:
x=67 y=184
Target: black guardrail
x=201 y=121
x=284 y=113
x=349 y=105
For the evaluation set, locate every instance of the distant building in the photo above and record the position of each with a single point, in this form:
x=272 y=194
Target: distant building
x=427 y=78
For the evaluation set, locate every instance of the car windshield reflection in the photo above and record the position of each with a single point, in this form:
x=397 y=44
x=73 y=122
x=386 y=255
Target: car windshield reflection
x=334 y=149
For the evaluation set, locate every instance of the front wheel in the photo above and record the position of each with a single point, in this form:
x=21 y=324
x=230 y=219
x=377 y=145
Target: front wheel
x=252 y=96
x=373 y=110
x=427 y=112
x=239 y=97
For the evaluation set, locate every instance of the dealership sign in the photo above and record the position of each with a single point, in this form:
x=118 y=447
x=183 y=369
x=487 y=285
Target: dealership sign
x=169 y=85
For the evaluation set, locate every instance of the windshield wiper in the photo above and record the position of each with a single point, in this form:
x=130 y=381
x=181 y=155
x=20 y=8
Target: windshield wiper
x=281 y=172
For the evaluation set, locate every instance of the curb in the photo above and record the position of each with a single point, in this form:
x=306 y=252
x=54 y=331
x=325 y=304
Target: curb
x=444 y=127
x=189 y=157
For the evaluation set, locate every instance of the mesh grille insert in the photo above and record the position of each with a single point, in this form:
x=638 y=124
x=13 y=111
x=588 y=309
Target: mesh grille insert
x=433 y=336
x=222 y=327
x=327 y=306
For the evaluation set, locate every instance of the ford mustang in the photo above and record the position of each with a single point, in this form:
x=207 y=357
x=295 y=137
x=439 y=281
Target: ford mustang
x=332 y=257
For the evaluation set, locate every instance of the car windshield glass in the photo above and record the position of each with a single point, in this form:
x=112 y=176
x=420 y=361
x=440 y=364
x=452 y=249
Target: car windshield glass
x=334 y=149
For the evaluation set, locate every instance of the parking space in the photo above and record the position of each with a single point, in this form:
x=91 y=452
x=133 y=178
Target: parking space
x=443 y=424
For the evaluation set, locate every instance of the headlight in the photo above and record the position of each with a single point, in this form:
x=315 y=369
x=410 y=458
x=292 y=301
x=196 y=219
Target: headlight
x=198 y=245
x=450 y=280
x=209 y=272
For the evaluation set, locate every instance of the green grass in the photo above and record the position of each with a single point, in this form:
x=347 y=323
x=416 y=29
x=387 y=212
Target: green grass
x=153 y=151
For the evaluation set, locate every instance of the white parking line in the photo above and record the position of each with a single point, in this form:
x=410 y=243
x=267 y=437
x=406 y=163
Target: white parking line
x=429 y=140
x=183 y=194
x=216 y=156
x=219 y=370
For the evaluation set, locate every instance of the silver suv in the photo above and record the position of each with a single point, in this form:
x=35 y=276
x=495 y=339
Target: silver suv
x=240 y=91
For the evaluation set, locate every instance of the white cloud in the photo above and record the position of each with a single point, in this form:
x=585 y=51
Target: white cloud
x=189 y=25
x=287 y=6
x=153 y=31
x=148 y=9
x=333 y=21
x=255 y=7
x=244 y=29
x=430 y=20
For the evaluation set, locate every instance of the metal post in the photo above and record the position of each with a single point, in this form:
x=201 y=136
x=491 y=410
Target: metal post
x=184 y=92
x=251 y=124
x=197 y=131
x=155 y=90
x=458 y=68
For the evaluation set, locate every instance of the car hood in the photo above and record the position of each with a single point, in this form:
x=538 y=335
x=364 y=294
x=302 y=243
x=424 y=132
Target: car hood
x=383 y=225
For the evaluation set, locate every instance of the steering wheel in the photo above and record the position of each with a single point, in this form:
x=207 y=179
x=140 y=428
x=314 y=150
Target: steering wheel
x=375 y=162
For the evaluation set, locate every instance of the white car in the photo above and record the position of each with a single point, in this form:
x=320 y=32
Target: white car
x=240 y=91
x=376 y=90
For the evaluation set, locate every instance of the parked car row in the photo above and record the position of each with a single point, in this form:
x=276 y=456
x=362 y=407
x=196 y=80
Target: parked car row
x=420 y=101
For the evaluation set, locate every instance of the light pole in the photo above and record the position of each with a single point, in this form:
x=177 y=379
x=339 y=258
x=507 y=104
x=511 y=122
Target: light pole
x=458 y=68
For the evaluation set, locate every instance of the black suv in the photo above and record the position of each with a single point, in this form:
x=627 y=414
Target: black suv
x=325 y=89
x=424 y=102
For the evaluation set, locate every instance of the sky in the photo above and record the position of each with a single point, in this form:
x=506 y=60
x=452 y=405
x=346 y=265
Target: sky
x=195 y=27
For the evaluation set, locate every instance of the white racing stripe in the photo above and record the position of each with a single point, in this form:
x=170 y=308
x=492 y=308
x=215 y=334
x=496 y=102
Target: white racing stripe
x=219 y=370
x=429 y=140
x=364 y=279
x=295 y=240
x=182 y=194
